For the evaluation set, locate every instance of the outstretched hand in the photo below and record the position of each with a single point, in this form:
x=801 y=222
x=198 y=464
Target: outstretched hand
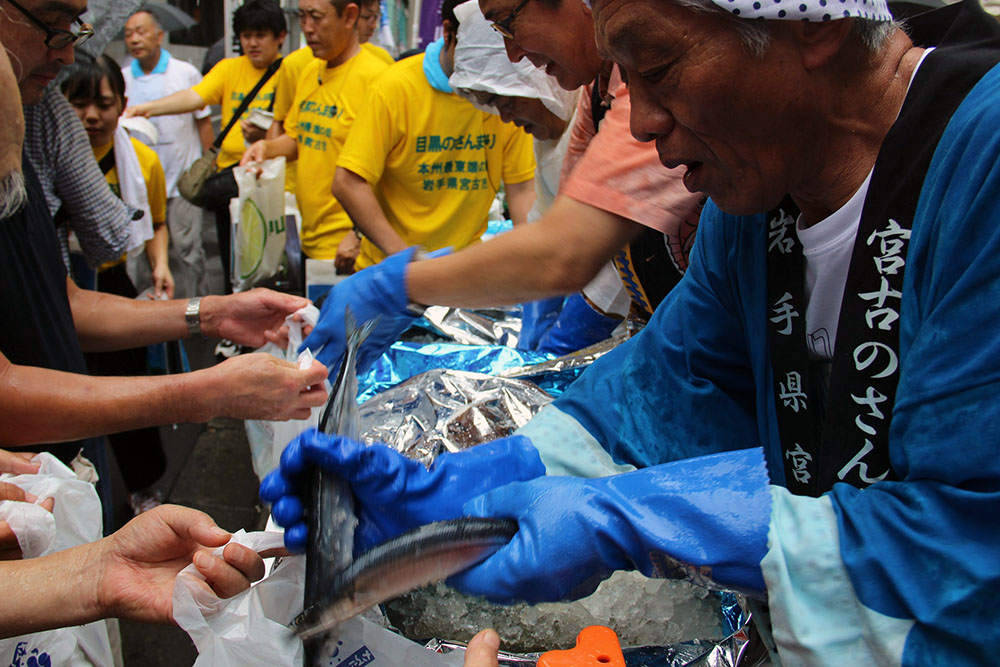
x=10 y=548
x=250 y=318
x=135 y=568
x=259 y=386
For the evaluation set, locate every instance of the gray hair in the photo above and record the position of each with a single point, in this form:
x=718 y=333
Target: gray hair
x=756 y=34
x=13 y=194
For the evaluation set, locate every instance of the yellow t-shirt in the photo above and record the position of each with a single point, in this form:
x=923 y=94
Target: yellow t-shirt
x=434 y=160
x=152 y=174
x=226 y=84
x=327 y=100
x=284 y=92
x=379 y=52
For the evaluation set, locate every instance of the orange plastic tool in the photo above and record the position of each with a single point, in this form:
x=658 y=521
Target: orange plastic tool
x=596 y=646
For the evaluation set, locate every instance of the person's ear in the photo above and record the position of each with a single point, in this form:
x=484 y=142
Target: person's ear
x=819 y=42
x=351 y=13
x=450 y=31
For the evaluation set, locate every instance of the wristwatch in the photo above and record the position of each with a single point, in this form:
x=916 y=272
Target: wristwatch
x=192 y=316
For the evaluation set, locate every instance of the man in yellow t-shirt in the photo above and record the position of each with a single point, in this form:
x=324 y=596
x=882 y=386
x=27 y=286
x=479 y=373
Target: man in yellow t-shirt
x=329 y=95
x=261 y=27
x=287 y=78
x=367 y=23
x=421 y=165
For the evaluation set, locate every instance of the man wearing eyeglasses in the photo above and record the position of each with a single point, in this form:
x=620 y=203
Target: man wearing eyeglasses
x=58 y=24
x=46 y=396
x=616 y=201
x=368 y=21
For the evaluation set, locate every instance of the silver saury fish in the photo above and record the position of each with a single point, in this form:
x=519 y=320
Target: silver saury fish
x=422 y=556
x=330 y=506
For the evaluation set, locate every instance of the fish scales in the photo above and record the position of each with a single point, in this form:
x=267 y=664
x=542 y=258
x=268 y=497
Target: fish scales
x=422 y=556
x=331 y=516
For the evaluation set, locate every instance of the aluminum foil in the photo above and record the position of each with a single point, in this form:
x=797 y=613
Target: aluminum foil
x=574 y=361
x=404 y=360
x=448 y=410
x=424 y=398
x=499 y=326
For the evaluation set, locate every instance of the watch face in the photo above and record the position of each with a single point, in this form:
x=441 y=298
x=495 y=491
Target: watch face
x=192 y=315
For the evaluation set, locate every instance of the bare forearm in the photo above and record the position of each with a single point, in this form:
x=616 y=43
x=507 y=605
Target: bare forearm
x=281 y=146
x=54 y=591
x=205 y=132
x=276 y=130
x=105 y=322
x=556 y=255
x=520 y=198
x=156 y=247
x=183 y=101
x=90 y=406
x=358 y=199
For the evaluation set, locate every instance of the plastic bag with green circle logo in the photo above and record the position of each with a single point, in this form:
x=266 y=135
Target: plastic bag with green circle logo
x=258 y=216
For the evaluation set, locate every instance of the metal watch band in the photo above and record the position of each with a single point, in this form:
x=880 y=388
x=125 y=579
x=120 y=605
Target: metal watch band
x=192 y=315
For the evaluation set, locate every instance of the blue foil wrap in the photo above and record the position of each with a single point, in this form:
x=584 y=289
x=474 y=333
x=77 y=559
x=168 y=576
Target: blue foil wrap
x=404 y=360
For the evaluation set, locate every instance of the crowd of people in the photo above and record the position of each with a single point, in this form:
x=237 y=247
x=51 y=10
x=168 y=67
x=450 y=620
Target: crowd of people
x=796 y=199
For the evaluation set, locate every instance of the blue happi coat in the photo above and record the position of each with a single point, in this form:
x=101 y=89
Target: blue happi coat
x=901 y=572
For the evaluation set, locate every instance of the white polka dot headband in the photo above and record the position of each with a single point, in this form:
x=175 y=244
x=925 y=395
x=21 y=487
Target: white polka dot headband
x=804 y=10
x=807 y=10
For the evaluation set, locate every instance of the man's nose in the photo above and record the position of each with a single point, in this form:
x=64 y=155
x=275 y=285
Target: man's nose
x=647 y=120
x=514 y=52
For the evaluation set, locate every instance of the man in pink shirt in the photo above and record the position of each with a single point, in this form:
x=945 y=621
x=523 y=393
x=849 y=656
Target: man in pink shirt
x=614 y=191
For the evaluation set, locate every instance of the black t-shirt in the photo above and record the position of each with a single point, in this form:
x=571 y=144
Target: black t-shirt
x=37 y=324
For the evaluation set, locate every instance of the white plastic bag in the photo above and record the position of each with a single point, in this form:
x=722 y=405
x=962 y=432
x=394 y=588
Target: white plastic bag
x=267 y=438
x=75 y=519
x=251 y=629
x=258 y=219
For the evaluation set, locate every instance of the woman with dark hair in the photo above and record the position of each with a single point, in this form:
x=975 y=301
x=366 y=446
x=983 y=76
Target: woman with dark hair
x=96 y=92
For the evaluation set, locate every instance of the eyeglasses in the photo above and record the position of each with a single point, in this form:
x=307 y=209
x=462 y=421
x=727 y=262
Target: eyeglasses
x=505 y=27
x=56 y=38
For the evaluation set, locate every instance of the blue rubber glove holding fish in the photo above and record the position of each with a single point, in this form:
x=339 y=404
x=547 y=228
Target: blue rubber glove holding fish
x=394 y=494
x=705 y=517
x=377 y=291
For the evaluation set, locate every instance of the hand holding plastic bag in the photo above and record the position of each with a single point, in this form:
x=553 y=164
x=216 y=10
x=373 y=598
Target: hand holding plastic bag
x=267 y=439
x=75 y=519
x=250 y=629
x=76 y=512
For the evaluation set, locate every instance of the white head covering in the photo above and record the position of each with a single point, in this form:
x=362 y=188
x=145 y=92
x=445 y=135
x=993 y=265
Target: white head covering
x=481 y=63
x=804 y=10
x=807 y=10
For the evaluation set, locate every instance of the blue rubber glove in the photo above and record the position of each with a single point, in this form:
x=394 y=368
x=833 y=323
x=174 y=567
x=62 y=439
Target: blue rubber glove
x=696 y=518
x=577 y=326
x=378 y=290
x=537 y=317
x=393 y=493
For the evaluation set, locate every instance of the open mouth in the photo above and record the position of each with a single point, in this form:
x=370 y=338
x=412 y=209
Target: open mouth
x=691 y=175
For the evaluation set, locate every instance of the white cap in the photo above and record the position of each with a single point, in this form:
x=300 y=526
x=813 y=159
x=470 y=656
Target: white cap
x=481 y=64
